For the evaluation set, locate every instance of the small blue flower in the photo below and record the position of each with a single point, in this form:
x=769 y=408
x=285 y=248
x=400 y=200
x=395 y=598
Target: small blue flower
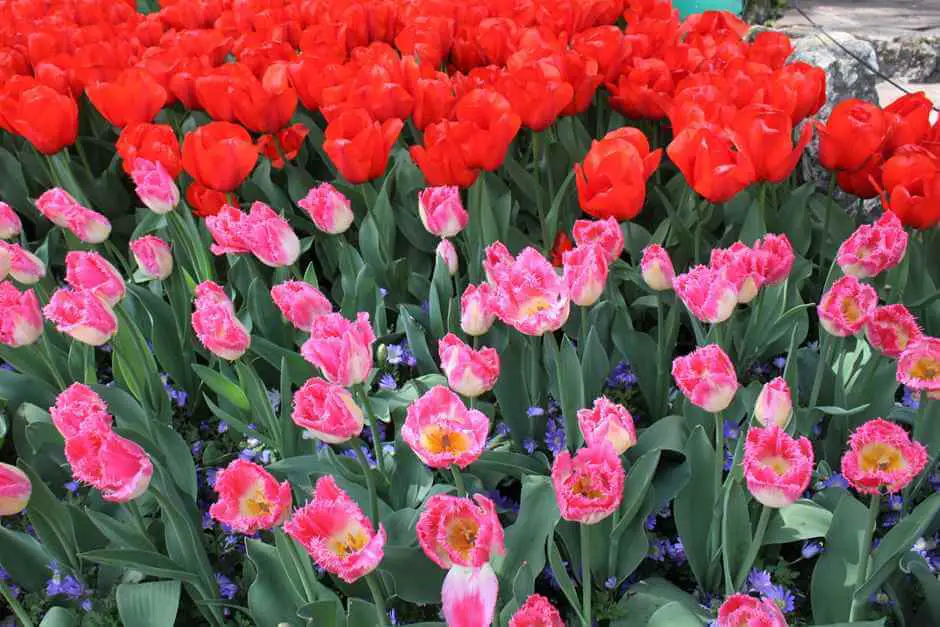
x=247 y=454
x=835 y=480
x=393 y=354
x=780 y=362
x=197 y=447
x=811 y=548
x=72 y=486
x=555 y=439
x=535 y=411
x=265 y=456
x=223 y=426
x=911 y=398
x=610 y=583
x=4 y=575
x=7 y=367
x=658 y=549
x=731 y=429
x=621 y=377
x=387 y=382
x=86 y=605
x=274 y=398
x=729 y=461
x=502 y=429
x=759 y=581
x=880 y=598
x=676 y=552
x=383 y=292
x=782 y=597
x=502 y=501
x=650 y=522
x=529 y=445
x=207 y=521
x=392 y=617
x=227 y=588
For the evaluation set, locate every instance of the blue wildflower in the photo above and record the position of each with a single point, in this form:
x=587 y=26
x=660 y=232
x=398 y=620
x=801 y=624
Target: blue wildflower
x=387 y=382
x=621 y=377
x=835 y=480
x=555 y=439
x=535 y=411
x=223 y=426
x=247 y=454
x=392 y=617
x=7 y=367
x=780 y=362
x=502 y=429
x=676 y=552
x=811 y=548
x=759 y=581
x=650 y=522
x=731 y=429
x=782 y=597
x=227 y=588
x=880 y=598
x=895 y=502
x=4 y=575
x=729 y=461
x=910 y=398
x=274 y=398
x=529 y=445
x=207 y=521
x=71 y=486
x=383 y=292
x=658 y=548
x=197 y=447
x=610 y=583
x=502 y=501
x=86 y=605
x=393 y=353
x=265 y=456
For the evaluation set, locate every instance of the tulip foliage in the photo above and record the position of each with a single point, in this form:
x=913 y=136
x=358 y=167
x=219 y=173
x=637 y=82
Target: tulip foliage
x=523 y=314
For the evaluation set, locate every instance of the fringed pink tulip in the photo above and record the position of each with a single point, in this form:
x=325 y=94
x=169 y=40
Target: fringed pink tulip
x=250 y=499
x=90 y=272
x=707 y=294
x=585 y=272
x=116 y=466
x=10 y=224
x=537 y=611
x=774 y=257
x=335 y=532
x=588 y=486
x=470 y=372
x=24 y=266
x=300 y=303
x=448 y=254
x=82 y=316
x=154 y=186
x=78 y=409
x=58 y=206
x=21 y=319
x=742 y=610
x=328 y=411
x=706 y=377
x=605 y=233
x=329 y=209
x=846 y=307
x=528 y=294
x=777 y=468
x=341 y=349
x=216 y=325
x=441 y=211
x=459 y=531
x=609 y=422
x=873 y=248
x=656 y=268
x=469 y=596
x=476 y=309
x=891 y=329
x=153 y=256
x=740 y=265
x=15 y=490
x=882 y=458
x=774 y=404
x=919 y=365
x=442 y=431
x=270 y=238
x=229 y=231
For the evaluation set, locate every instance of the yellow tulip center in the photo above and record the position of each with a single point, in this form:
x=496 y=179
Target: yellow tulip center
x=534 y=306
x=880 y=456
x=254 y=503
x=462 y=534
x=927 y=368
x=777 y=463
x=437 y=439
x=584 y=487
x=850 y=310
x=350 y=541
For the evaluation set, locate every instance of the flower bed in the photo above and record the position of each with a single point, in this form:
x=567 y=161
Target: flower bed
x=376 y=312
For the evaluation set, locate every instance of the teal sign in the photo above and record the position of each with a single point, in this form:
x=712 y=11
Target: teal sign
x=688 y=7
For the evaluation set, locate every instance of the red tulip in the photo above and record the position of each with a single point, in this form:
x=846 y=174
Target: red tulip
x=710 y=163
x=445 y=158
x=206 y=202
x=612 y=178
x=908 y=120
x=770 y=48
x=359 y=145
x=134 y=97
x=799 y=89
x=639 y=91
x=46 y=118
x=765 y=134
x=912 y=186
x=311 y=75
x=538 y=92
x=496 y=126
x=864 y=182
x=153 y=142
x=285 y=143
x=219 y=155
x=854 y=132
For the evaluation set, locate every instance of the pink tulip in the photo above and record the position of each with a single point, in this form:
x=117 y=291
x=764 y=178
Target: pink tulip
x=446 y=251
x=21 y=321
x=90 y=272
x=118 y=467
x=605 y=233
x=742 y=610
x=891 y=329
x=585 y=272
x=846 y=307
x=327 y=411
x=229 y=230
x=470 y=372
x=335 y=532
x=78 y=409
x=58 y=206
x=458 y=531
x=774 y=257
x=656 y=268
x=15 y=490
x=329 y=209
x=919 y=365
x=442 y=431
x=588 y=486
x=300 y=303
x=270 y=238
x=216 y=325
x=153 y=256
x=341 y=349
x=608 y=422
x=82 y=316
x=882 y=458
x=441 y=211
x=469 y=596
x=250 y=499
x=24 y=266
x=537 y=611
x=777 y=468
x=774 y=404
x=476 y=310
x=709 y=296
x=155 y=187
x=740 y=265
x=527 y=293
x=873 y=248
x=10 y=224
x=706 y=377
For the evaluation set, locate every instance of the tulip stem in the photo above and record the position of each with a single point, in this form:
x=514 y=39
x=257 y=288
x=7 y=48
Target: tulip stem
x=826 y=220
x=537 y=173
x=585 y=575
x=138 y=517
x=297 y=561
x=21 y=615
x=756 y=543
x=458 y=480
x=874 y=507
x=824 y=351
x=662 y=382
x=50 y=363
x=370 y=483
x=719 y=448
x=920 y=423
x=374 y=428
x=376 y=591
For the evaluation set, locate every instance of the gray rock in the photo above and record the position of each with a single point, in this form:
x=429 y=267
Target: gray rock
x=912 y=59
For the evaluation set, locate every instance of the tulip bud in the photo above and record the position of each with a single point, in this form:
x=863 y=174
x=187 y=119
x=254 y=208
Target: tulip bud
x=25 y=267
x=10 y=225
x=329 y=209
x=472 y=592
x=476 y=310
x=447 y=252
x=21 y=323
x=15 y=489
x=774 y=404
x=441 y=211
x=153 y=257
x=154 y=186
x=82 y=316
x=656 y=268
x=585 y=270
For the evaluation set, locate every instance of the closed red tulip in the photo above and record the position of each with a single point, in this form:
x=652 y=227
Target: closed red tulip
x=639 y=92
x=134 y=97
x=765 y=134
x=612 y=178
x=854 y=132
x=908 y=120
x=799 y=89
x=445 y=158
x=153 y=142
x=206 y=202
x=710 y=162
x=219 y=155
x=46 y=118
x=496 y=126
x=219 y=88
x=359 y=146
x=770 y=48
x=912 y=185
x=285 y=143
x=311 y=75
x=433 y=94
x=538 y=92
x=864 y=182
x=266 y=106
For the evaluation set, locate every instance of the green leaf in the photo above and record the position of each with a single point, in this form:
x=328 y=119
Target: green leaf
x=647 y=597
x=257 y=395
x=512 y=393
x=323 y=613
x=412 y=480
x=417 y=342
x=637 y=484
x=562 y=577
x=570 y=390
x=299 y=368
x=696 y=502
x=801 y=520
x=512 y=464
x=414 y=577
x=838 y=411
x=51 y=520
x=271 y=596
x=640 y=349
x=736 y=530
x=674 y=614
x=595 y=365
x=147 y=562
x=25 y=559
x=836 y=569
x=119 y=533
x=151 y=604
x=360 y=613
x=59 y=617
